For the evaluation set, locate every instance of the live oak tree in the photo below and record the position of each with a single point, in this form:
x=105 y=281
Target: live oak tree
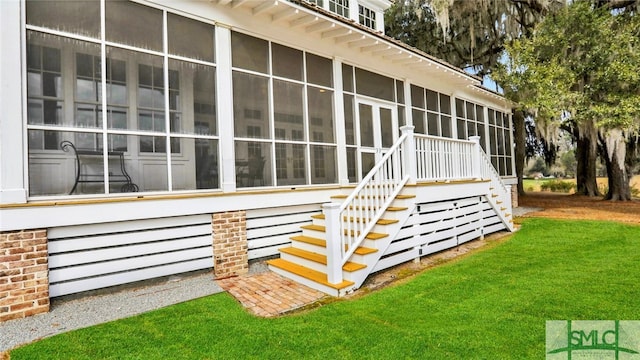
x=468 y=34
x=471 y=35
x=580 y=73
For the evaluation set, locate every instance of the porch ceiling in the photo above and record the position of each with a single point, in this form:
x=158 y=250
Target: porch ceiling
x=314 y=21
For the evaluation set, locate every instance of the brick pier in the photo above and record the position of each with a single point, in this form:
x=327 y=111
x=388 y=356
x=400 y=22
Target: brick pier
x=230 y=243
x=24 y=280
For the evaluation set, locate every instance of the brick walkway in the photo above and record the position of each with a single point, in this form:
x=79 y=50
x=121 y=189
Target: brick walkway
x=269 y=294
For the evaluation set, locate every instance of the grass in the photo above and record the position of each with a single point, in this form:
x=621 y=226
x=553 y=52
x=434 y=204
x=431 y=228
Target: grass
x=491 y=304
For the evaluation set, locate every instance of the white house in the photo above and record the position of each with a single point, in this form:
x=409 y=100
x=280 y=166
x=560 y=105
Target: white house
x=147 y=138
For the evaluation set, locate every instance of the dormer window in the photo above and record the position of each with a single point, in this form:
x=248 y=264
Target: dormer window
x=366 y=17
x=368 y=13
x=340 y=7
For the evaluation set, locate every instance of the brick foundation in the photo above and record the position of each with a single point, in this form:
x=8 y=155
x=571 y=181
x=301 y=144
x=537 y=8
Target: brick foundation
x=24 y=275
x=230 y=243
x=514 y=196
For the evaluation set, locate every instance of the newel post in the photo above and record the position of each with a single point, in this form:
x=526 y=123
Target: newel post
x=476 y=158
x=409 y=154
x=334 y=242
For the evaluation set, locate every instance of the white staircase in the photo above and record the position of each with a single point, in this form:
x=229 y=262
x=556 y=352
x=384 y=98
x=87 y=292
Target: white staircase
x=342 y=246
x=305 y=261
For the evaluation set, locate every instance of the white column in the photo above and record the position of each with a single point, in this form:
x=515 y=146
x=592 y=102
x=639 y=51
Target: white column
x=476 y=157
x=409 y=154
x=334 y=242
x=338 y=115
x=408 y=118
x=224 y=92
x=454 y=116
x=487 y=131
x=13 y=167
x=512 y=143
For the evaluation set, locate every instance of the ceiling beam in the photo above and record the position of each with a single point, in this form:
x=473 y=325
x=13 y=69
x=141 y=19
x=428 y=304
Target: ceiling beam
x=264 y=7
x=349 y=37
x=284 y=14
x=386 y=51
x=320 y=26
x=363 y=42
x=335 y=33
x=236 y=3
x=409 y=60
x=398 y=54
x=375 y=47
x=303 y=20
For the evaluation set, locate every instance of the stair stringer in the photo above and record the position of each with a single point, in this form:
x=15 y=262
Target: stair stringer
x=500 y=201
x=499 y=194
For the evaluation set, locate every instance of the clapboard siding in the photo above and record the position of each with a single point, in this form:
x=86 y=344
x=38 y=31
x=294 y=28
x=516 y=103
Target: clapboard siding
x=128 y=251
x=270 y=229
x=126 y=238
x=106 y=280
x=94 y=256
x=96 y=269
x=127 y=226
x=438 y=226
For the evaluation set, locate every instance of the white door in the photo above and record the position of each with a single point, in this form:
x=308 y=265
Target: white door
x=377 y=124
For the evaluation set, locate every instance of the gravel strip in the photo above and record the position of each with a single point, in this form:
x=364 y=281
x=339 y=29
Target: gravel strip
x=103 y=306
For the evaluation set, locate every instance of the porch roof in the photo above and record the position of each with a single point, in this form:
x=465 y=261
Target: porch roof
x=305 y=17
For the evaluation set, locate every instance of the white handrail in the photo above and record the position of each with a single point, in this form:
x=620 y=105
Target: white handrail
x=370 y=199
x=441 y=159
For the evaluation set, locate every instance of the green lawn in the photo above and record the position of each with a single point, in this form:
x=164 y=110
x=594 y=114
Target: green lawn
x=491 y=304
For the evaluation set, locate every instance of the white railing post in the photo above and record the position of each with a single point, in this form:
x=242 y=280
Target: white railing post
x=334 y=242
x=409 y=154
x=476 y=157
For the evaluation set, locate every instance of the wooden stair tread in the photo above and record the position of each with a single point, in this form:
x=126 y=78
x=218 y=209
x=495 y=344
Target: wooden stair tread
x=319 y=258
x=361 y=250
x=370 y=236
x=307 y=273
x=379 y=222
x=314 y=227
x=374 y=236
x=310 y=240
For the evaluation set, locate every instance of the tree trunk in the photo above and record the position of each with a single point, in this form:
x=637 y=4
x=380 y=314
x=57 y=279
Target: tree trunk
x=617 y=171
x=520 y=151
x=586 y=157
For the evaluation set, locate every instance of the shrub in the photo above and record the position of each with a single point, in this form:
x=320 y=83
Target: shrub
x=603 y=188
x=557 y=186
